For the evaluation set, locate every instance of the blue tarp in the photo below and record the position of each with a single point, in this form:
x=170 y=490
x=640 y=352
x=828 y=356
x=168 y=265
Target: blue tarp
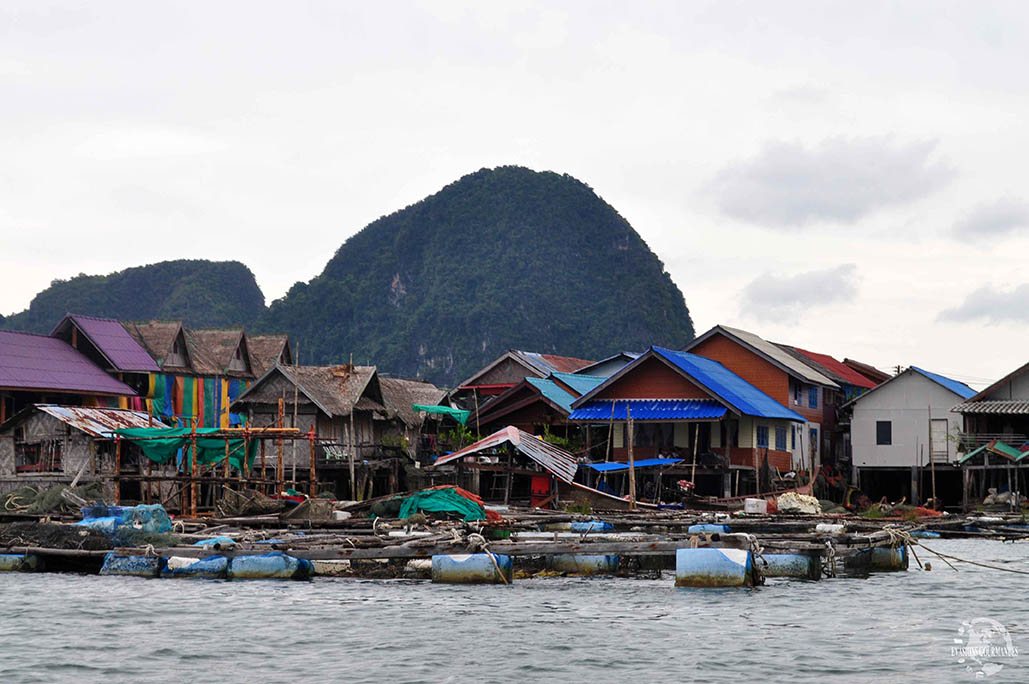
x=644 y=463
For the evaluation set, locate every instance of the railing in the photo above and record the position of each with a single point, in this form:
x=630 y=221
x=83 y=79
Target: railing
x=972 y=440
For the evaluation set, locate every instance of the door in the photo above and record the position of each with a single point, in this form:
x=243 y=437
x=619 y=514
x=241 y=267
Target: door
x=938 y=434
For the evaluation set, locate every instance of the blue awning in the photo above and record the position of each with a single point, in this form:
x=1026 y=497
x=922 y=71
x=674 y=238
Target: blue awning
x=645 y=463
x=649 y=409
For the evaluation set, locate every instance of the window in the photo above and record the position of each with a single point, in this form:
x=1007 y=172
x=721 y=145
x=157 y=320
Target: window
x=796 y=394
x=41 y=457
x=813 y=436
x=762 y=436
x=883 y=432
x=780 y=438
x=812 y=397
x=793 y=437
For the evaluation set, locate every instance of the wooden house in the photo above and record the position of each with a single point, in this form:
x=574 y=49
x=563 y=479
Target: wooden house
x=778 y=374
x=537 y=405
x=506 y=371
x=692 y=408
x=903 y=432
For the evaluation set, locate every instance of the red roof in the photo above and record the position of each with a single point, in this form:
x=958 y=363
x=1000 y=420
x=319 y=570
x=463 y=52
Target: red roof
x=565 y=364
x=851 y=376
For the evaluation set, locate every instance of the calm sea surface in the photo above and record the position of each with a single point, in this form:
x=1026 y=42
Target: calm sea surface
x=891 y=627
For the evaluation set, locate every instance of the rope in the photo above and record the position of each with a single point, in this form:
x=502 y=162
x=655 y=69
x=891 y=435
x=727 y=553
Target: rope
x=911 y=542
x=829 y=564
x=477 y=541
x=149 y=550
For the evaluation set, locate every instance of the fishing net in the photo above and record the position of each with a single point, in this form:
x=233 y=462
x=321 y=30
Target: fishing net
x=247 y=502
x=48 y=501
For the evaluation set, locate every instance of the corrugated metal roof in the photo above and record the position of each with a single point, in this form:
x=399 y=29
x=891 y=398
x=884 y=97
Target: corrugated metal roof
x=113 y=341
x=553 y=459
x=100 y=422
x=1005 y=406
x=40 y=362
x=834 y=369
x=728 y=386
x=551 y=390
x=759 y=344
x=958 y=388
x=548 y=363
x=601 y=410
x=625 y=356
x=580 y=383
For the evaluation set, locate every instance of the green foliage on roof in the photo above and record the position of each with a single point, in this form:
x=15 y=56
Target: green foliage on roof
x=202 y=293
x=502 y=258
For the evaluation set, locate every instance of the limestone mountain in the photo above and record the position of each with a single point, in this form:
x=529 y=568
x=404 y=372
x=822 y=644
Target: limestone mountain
x=502 y=258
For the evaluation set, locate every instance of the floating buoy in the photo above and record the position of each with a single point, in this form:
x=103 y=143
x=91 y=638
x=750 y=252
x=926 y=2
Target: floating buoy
x=708 y=567
x=275 y=565
x=802 y=565
x=707 y=528
x=583 y=564
x=472 y=568
x=136 y=566
x=212 y=567
x=18 y=562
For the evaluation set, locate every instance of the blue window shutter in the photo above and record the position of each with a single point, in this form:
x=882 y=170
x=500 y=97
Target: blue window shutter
x=762 y=436
x=812 y=397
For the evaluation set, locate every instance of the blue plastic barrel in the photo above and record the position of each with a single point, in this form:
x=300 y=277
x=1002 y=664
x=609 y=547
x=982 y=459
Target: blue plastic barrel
x=212 y=567
x=591 y=526
x=889 y=558
x=18 y=562
x=707 y=567
x=471 y=568
x=136 y=566
x=803 y=565
x=269 y=566
x=583 y=564
x=707 y=528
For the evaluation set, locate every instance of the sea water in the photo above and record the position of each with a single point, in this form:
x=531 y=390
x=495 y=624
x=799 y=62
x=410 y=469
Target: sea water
x=890 y=627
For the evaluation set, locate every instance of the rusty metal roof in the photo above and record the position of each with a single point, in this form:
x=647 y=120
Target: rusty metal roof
x=100 y=422
x=553 y=459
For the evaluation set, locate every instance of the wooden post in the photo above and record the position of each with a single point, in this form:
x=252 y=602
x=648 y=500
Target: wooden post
x=696 y=439
x=264 y=472
x=932 y=459
x=632 y=460
x=149 y=483
x=226 y=472
x=352 y=439
x=192 y=471
x=117 y=470
x=279 y=471
x=314 y=474
x=475 y=396
x=610 y=432
x=510 y=467
x=296 y=398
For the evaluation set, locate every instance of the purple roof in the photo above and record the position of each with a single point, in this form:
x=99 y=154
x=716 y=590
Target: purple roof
x=114 y=342
x=39 y=362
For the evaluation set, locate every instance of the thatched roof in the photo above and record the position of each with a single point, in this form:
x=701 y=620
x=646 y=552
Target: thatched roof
x=266 y=351
x=398 y=395
x=333 y=389
x=212 y=350
x=156 y=337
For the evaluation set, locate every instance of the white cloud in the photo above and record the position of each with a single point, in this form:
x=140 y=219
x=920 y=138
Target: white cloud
x=771 y=297
x=994 y=219
x=841 y=180
x=991 y=305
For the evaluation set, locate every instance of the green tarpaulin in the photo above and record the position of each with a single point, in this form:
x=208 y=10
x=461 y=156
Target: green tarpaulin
x=457 y=414
x=442 y=500
x=161 y=444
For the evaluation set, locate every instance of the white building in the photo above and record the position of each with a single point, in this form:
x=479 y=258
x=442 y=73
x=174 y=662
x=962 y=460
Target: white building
x=897 y=427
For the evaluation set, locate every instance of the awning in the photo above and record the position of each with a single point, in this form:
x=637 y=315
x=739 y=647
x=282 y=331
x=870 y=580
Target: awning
x=554 y=459
x=457 y=414
x=645 y=463
x=600 y=410
x=161 y=445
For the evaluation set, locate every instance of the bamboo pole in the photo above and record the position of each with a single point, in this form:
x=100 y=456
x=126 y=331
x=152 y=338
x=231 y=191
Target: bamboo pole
x=696 y=438
x=296 y=399
x=192 y=471
x=117 y=471
x=314 y=474
x=264 y=472
x=632 y=460
x=932 y=457
x=279 y=472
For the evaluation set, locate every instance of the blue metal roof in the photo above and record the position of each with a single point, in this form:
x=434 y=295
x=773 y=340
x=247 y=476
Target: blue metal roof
x=649 y=409
x=726 y=385
x=645 y=463
x=958 y=388
x=551 y=390
x=580 y=383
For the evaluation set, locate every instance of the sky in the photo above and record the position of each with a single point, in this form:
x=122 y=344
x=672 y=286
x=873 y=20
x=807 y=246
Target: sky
x=843 y=177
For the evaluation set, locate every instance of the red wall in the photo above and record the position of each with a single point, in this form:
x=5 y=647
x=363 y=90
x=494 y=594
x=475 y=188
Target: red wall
x=653 y=379
x=748 y=365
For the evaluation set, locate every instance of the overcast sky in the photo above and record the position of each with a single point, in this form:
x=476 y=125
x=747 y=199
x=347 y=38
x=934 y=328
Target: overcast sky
x=845 y=177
